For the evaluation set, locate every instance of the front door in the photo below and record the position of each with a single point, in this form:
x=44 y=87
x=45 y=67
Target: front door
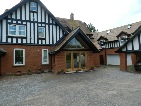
x=75 y=60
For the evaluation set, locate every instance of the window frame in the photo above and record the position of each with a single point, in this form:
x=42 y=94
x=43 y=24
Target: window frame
x=33 y=6
x=17 y=30
x=43 y=57
x=23 y=57
x=122 y=39
x=43 y=32
x=10 y=29
x=21 y=30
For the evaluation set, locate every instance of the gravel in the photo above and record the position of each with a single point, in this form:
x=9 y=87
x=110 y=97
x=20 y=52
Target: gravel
x=106 y=86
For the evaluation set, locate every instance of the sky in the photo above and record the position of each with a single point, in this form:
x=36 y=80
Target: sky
x=103 y=14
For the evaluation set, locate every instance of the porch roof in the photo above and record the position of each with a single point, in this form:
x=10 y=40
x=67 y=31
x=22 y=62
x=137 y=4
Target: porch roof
x=70 y=36
x=2 y=52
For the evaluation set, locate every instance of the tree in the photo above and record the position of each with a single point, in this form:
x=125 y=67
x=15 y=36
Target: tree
x=91 y=27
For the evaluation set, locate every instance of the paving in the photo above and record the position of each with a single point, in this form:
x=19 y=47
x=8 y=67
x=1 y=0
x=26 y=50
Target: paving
x=106 y=86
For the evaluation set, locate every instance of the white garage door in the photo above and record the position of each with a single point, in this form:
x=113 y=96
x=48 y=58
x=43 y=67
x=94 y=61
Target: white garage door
x=115 y=59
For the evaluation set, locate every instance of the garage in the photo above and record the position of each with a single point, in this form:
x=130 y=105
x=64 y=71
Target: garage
x=114 y=59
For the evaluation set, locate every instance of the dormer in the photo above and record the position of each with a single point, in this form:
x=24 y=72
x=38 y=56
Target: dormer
x=123 y=37
x=101 y=41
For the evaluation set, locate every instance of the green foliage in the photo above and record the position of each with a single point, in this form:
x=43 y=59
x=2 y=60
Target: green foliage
x=60 y=71
x=29 y=71
x=91 y=27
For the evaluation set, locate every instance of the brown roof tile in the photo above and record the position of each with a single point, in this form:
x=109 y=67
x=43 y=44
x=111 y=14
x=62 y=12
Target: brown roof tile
x=73 y=24
x=111 y=36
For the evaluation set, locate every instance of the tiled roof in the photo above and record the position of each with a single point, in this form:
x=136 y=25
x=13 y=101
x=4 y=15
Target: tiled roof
x=112 y=33
x=73 y=24
x=57 y=48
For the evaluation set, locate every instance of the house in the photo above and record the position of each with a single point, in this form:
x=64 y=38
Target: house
x=133 y=45
x=31 y=37
x=111 y=40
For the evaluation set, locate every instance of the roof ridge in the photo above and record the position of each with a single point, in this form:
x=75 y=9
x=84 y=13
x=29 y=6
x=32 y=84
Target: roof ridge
x=121 y=26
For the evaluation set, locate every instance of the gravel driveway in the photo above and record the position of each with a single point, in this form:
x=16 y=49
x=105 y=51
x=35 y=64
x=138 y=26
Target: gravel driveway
x=107 y=86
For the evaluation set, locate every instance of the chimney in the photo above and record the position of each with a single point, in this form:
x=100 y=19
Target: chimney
x=72 y=16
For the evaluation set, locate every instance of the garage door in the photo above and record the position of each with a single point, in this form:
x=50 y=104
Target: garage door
x=115 y=59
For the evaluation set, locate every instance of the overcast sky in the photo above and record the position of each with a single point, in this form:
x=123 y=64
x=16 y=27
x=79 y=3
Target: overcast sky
x=103 y=14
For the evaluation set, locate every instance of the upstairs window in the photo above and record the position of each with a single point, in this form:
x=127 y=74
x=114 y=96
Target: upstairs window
x=41 y=32
x=102 y=43
x=19 y=57
x=17 y=30
x=123 y=39
x=12 y=29
x=33 y=6
x=21 y=30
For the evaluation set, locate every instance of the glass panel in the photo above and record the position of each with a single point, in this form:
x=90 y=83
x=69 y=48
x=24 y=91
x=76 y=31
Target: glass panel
x=21 y=30
x=12 y=29
x=68 y=60
x=76 y=60
x=41 y=32
x=74 y=43
x=83 y=65
x=45 y=56
x=18 y=56
x=33 y=6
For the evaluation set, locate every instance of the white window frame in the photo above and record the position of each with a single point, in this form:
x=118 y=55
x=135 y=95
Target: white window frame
x=18 y=64
x=42 y=32
x=43 y=56
x=11 y=30
x=17 y=30
x=33 y=6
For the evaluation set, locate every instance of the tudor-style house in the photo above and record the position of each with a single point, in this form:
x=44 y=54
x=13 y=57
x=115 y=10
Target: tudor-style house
x=31 y=37
x=111 y=40
x=133 y=45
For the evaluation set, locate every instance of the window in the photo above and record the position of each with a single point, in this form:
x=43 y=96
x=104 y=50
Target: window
x=102 y=42
x=19 y=57
x=33 y=6
x=123 y=39
x=12 y=29
x=41 y=32
x=21 y=30
x=45 y=56
x=17 y=30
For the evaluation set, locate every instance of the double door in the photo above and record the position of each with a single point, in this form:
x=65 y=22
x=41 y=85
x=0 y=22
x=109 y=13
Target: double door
x=75 y=60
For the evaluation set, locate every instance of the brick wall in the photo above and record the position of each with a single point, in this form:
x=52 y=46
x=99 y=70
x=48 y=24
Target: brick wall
x=96 y=57
x=92 y=59
x=107 y=51
x=59 y=62
x=33 y=59
x=123 y=61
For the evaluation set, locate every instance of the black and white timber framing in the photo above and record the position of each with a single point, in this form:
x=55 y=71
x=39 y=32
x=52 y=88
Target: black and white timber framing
x=112 y=44
x=20 y=14
x=133 y=45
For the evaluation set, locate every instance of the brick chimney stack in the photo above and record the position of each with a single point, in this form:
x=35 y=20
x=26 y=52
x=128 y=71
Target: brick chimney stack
x=72 y=16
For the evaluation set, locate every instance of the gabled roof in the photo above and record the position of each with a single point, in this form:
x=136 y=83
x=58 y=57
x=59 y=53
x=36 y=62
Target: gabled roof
x=70 y=36
x=122 y=32
x=73 y=24
x=102 y=37
x=136 y=33
x=22 y=2
x=112 y=33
